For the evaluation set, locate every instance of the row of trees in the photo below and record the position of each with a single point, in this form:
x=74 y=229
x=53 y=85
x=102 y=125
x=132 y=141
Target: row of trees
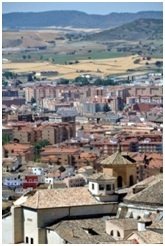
x=98 y=82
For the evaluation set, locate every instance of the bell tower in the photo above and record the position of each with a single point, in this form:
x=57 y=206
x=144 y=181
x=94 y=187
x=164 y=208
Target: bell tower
x=121 y=166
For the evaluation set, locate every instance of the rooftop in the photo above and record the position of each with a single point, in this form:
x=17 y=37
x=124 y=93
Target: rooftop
x=149 y=237
x=125 y=224
x=118 y=158
x=82 y=231
x=60 y=198
x=152 y=192
x=101 y=177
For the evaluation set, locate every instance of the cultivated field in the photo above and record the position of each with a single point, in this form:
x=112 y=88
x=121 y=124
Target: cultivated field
x=98 y=67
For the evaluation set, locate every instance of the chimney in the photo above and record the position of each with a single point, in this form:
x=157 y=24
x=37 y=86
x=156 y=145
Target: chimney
x=138 y=188
x=142 y=223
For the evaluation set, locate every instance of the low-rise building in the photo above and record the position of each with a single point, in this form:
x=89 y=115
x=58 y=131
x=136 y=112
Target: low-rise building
x=23 y=151
x=119 y=229
x=34 y=212
x=74 y=181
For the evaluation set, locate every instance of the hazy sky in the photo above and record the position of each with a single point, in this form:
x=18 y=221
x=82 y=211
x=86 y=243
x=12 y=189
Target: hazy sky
x=88 y=7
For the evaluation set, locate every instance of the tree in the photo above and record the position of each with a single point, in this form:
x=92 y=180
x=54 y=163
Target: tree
x=38 y=146
x=24 y=57
x=136 y=61
x=5 y=138
x=29 y=56
x=64 y=81
x=4 y=83
x=159 y=63
x=33 y=100
x=30 y=77
x=9 y=75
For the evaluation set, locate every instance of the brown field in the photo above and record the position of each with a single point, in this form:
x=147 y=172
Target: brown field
x=31 y=38
x=97 y=67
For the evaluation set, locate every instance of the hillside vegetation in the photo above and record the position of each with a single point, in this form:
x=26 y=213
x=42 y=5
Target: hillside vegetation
x=142 y=29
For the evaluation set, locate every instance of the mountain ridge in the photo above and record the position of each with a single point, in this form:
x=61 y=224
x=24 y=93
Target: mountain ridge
x=136 y=30
x=76 y=19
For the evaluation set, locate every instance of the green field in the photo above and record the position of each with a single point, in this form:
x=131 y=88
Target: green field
x=63 y=58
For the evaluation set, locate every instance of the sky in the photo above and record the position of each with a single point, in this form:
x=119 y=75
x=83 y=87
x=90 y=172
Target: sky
x=88 y=7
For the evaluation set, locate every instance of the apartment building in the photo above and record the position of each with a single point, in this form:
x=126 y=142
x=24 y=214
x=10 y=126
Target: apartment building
x=9 y=93
x=54 y=133
x=144 y=99
x=146 y=90
x=93 y=107
x=8 y=101
x=57 y=133
x=147 y=146
x=39 y=92
x=61 y=156
x=24 y=135
x=116 y=103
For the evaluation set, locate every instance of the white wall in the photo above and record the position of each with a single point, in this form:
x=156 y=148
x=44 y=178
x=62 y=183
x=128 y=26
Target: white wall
x=37 y=171
x=96 y=190
x=139 y=211
x=48 y=216
x=48 y=180
x=30 y=225
x=54 y=238
x=94 y=209
x=7 y=230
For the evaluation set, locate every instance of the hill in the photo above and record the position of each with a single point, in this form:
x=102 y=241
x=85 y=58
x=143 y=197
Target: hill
x=142 y=29
x=71 y=18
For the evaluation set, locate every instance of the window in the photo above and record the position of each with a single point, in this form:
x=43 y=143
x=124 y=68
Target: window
x=108 y=187
x=118 y=233
x=27 y=240
x=93 y=186
x=31 y=241
x=111 y=233
x=101 y=187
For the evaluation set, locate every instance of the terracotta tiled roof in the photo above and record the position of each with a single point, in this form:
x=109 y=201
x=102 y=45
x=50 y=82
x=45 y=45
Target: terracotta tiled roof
x=151 y=194
x=77 y=231
x=55 y=150
x=125 y=224
x=17 y=146
x=60 y=198
x=101 y=177
x=116 y=159
x=150 y=237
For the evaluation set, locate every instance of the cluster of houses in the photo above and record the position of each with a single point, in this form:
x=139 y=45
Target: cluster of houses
x=98 y=177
